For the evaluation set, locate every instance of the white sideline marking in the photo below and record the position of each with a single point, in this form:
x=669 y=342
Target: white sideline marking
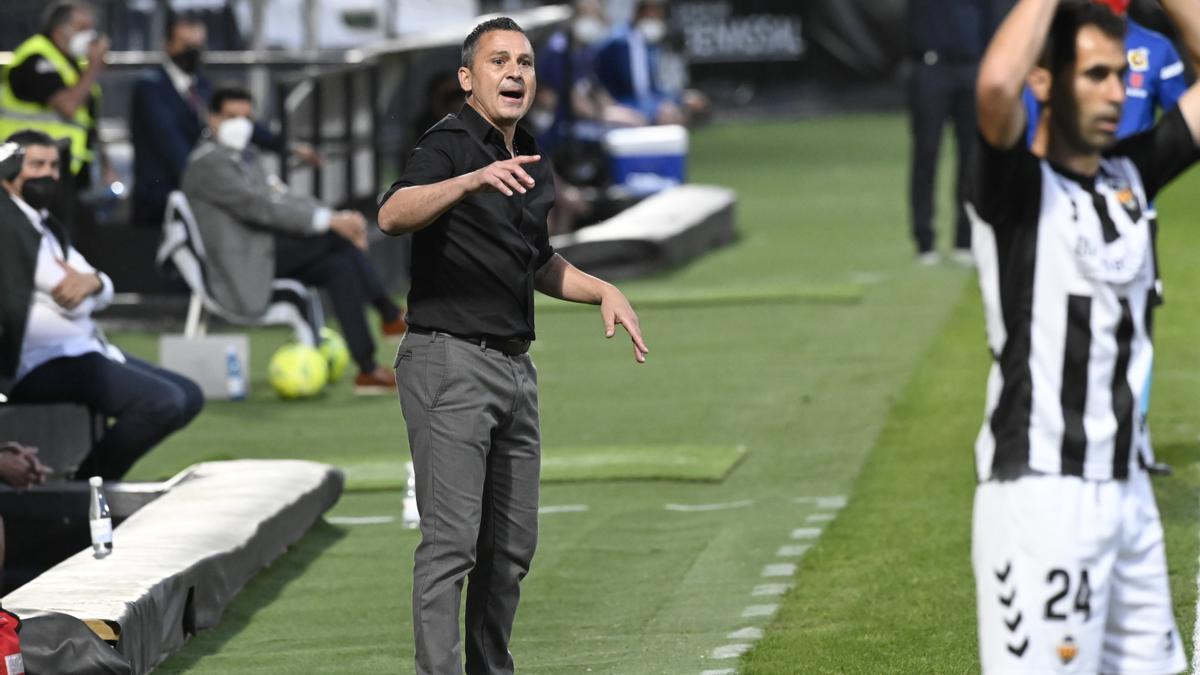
x=806 y=533
x=750 y=633
x=792 y=551
x=721 y=671
x=360 y=520
x=566 y=508
x=694 y=508
x=819 y=518
x=732 y=651
x=759 y=610
x=770 y=589
x=833 y=502
x=779 y=570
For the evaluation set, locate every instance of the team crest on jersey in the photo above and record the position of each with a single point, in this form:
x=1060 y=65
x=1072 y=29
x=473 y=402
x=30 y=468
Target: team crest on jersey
x=1129 y=202
x=1067 y=650
x=1139 y=59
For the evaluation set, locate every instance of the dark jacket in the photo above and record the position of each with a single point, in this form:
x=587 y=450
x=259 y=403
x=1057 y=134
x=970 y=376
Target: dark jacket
x=164 y=129
x=956 y=30
x=18 y=263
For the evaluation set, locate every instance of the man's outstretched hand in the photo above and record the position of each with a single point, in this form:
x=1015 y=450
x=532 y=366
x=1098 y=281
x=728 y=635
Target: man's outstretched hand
x=615 y=309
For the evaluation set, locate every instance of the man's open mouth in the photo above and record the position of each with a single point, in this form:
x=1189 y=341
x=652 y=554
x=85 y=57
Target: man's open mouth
x=514 y=95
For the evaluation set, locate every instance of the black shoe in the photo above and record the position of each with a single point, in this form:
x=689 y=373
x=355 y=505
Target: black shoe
x=1160 y=469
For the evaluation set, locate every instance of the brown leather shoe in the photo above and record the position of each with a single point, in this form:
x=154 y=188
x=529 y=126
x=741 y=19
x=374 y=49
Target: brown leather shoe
x=375 y=383
x=396 y=327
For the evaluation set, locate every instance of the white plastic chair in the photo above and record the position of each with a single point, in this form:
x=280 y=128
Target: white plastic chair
x=183 y=248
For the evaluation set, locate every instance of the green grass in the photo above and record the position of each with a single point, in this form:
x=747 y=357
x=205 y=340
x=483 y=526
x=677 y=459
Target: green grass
x=814 y=342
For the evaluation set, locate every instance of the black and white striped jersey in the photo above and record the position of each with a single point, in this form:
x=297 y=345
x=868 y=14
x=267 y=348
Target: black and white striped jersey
x=1067 y=271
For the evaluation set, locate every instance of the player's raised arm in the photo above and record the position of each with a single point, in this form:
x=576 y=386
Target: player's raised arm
x=1186 y=15
x=1009 y=58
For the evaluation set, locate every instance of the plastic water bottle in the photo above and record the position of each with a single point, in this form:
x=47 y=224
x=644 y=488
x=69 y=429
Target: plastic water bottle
x=410 y=518
x=99 y=519
x=235 y=377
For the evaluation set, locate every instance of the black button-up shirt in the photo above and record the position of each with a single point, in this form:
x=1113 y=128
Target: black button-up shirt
x=473 y=268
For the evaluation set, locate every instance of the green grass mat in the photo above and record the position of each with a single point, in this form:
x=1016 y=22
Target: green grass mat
x=646 y=462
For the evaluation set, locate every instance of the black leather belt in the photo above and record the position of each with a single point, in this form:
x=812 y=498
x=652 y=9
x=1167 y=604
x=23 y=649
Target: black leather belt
x=506 y=346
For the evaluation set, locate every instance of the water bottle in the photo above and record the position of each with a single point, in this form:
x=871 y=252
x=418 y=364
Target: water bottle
x=99 y=519
x=410 y=517
x=235 y=378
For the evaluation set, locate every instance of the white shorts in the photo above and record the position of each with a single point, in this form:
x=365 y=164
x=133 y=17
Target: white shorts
x=1071 y=577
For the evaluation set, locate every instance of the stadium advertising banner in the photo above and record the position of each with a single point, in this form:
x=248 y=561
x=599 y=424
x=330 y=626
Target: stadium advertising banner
x=764 y=40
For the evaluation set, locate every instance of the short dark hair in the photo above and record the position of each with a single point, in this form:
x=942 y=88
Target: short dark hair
x=59 y=14
x=1060 y=50
x=184 y=18
x=228 y=93
x=28 y=137
x=472 y=41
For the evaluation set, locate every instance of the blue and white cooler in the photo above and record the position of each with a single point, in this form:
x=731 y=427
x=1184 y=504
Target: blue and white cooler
x=645 y=160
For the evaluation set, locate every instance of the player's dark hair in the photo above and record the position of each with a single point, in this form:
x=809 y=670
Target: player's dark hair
x=223 y=94
x=28 y=137
x=58 y=14
x=184 y=18
x=472 y=41
x=1071 y=16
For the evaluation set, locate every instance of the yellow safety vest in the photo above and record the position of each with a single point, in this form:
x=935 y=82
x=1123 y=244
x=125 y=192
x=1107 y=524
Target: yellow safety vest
x=17 y=114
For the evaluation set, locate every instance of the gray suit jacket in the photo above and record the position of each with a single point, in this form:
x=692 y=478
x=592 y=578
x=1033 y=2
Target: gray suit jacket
x=239 y=213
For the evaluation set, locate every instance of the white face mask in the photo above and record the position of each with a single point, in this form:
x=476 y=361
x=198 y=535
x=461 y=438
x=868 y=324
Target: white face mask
x=79 y=43
x=235 y=132
x=652 y=30
x=589 y=30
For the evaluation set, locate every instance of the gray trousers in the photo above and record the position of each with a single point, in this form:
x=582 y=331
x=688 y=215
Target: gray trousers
x=472 y=416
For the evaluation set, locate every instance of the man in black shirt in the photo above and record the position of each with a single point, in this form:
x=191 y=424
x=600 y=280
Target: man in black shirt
x=476 y=194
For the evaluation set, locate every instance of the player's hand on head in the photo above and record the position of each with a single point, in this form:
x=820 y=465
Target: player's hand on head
x=506 y=176
x=616 y=310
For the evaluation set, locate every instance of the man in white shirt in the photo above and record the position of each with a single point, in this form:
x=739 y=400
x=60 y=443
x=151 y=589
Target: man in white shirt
x=64 y=357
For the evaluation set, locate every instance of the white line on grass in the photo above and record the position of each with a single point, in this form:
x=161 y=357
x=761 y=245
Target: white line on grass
x=792 y=551
x=759 y=610
x=770 y=589
x=779 y=570
x=732 y=651
x=750 y=633
x=565 y=508
x=694 y=508
x=806 y=533
x=360 y=520
x=719 y=671
x=819 y=518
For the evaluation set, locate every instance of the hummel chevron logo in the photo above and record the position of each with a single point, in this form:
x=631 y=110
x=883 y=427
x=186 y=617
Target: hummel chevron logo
x=1003 y=576
x=1019 y=651
x=1012 y=625
x=1007 y=602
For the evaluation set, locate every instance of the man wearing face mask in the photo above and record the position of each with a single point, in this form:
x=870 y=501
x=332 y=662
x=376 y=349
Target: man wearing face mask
x=167 y=114
x=628 y=67
x=64 y=357
x=51 y=85
x=256 y=231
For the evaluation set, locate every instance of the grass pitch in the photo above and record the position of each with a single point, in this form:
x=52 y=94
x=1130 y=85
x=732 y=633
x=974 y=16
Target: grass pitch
x=854 y=373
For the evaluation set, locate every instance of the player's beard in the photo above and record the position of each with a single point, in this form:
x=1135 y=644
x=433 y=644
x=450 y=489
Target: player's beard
x=1068 y=125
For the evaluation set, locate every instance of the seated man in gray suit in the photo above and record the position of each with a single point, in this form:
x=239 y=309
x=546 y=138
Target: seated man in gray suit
x=256 y=231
